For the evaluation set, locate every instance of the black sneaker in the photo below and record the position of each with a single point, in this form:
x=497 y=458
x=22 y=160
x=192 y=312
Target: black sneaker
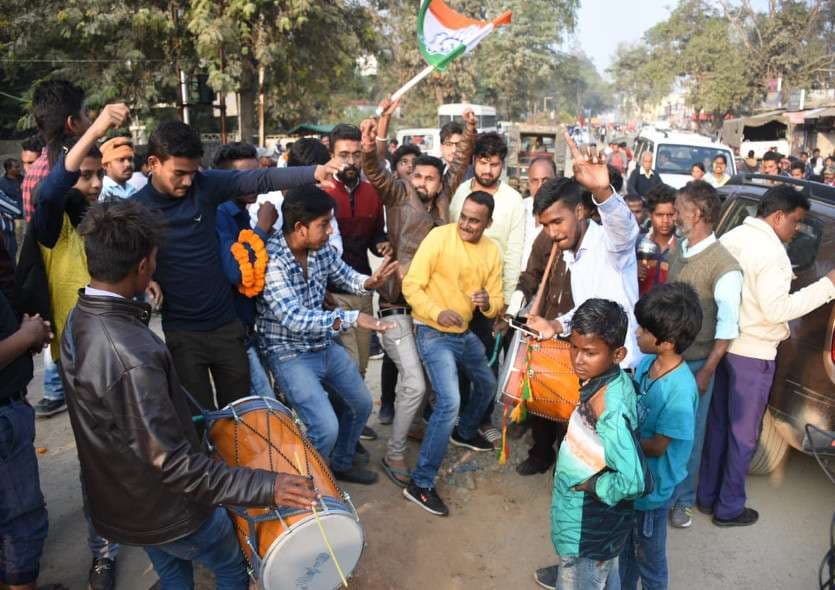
x=476 y=443
x=426 y=498
x=358 y=475
x=368 y=434
x=361 y=456
x=386 y=414
x=547 y=576
x=531 y=467
x=748 y=517
x=49 y=407
x=102 y=574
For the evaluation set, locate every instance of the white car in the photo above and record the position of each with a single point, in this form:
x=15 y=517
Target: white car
x=427 y=139
x=675 y=152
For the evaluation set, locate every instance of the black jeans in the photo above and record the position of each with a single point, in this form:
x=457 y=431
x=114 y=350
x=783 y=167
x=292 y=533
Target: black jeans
x=545 y=433
x=221 y=353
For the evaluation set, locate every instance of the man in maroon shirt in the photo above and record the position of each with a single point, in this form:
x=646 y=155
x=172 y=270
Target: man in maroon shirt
x=359 y=213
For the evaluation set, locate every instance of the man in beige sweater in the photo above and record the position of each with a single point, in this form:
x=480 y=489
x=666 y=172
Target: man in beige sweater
x=745 y=375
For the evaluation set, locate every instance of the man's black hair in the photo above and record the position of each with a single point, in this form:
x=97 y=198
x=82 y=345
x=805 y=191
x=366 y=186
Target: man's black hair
x=345 y=131
x=405 y=150
x=303 y=205
x=671 y=312
x=451 y=128
x=393 y=142
x=633 y=197
x=615 y=178
x=33 y=143
x=772 y=157
x=782 y=197
x=798 y=165
x=232 y=152
x=660 y=194
x=602 y=318
x=698 y=165
x=485 y=199
x=308 y=151
x=804 y=153
x=566 y=190
x=721 y=157
x=10 y=163
x=53 y=101
x=816 y=150
x=174 y=138
x=490 y=144
x=427 y=160
x=118 y=234
x=704 y=197
x=545 y=159
x=140 y=159
x=751 y=153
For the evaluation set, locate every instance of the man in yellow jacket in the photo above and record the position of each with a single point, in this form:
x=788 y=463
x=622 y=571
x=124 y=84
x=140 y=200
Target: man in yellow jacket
x=456 y=269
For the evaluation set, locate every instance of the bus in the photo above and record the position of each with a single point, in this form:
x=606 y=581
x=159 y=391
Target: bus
x=485 y=116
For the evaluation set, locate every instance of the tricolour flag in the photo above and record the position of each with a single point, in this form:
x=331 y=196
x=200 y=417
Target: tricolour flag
x=444 y=34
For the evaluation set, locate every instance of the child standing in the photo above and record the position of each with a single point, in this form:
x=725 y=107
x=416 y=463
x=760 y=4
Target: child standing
x=669 y=318
x=599 y=470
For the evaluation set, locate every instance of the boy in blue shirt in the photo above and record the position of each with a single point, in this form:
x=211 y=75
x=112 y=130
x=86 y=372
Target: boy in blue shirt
x=669 y=317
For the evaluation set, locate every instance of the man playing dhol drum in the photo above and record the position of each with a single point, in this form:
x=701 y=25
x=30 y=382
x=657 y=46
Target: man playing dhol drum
x=598 y=260
x=147 y=479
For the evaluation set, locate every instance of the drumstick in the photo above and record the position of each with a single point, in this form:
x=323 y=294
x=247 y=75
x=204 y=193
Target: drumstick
x=537 y=302
x=322 y=529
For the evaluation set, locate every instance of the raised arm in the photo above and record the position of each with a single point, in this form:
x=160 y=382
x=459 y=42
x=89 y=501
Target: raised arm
x=463 y=155
x=389 y=187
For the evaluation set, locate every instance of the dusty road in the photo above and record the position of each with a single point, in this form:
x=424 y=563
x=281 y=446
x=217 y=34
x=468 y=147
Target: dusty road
x=497 y=533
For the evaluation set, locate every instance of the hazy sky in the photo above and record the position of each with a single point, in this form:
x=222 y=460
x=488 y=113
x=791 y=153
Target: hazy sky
x=605 y=23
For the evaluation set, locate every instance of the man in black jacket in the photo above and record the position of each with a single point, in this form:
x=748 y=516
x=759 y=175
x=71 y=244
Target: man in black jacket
x=643 y=177
x=147 y=480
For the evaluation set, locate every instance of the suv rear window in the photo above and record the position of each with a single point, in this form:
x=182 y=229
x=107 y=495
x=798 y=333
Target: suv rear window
x=679 y=159
x=802 y=250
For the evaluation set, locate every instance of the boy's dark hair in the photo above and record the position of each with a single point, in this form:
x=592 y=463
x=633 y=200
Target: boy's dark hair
x=782 y=197
x=659 y=195
x=345 y=131
x=303 y=205
x=308 y=151
x=566 y=190
x=405 y=150
x=490 y=144
x=451 y=128
x=602 y=318
x=615 y=178
x=10 y=163
x=704 y=197
x=426 y=160
x=671 y=312
x=232 y=152
x=698 y=165
x=33 y=143
x=174 y=138
x=52 y=102
x=721 y=157
x=485 y=199
x=118 y=233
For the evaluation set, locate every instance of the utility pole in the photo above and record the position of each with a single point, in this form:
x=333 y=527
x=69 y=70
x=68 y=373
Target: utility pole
x=222 y=101
x=261 y=137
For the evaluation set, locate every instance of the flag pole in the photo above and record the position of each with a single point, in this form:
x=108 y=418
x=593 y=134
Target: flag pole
x=409 y=85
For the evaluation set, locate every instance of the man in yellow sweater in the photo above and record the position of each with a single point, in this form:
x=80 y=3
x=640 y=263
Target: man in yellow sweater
x=456 y=269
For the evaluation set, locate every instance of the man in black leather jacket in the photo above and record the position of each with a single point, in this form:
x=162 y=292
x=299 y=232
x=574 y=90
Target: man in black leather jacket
x=148 y=481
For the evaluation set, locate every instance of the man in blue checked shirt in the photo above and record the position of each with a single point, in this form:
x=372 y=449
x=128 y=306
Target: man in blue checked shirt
x=298 y=334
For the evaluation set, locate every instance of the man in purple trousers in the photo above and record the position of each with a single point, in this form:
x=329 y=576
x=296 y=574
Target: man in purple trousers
x=745 y=375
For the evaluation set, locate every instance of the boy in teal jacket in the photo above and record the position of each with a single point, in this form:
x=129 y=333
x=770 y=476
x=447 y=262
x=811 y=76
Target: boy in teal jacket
x=599 y=471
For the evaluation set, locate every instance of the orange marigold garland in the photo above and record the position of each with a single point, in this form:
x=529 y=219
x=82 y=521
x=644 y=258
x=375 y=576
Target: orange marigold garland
x=252 y=274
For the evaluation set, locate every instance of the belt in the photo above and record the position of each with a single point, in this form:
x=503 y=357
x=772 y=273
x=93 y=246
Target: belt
x=17 y=396
x=390 y=311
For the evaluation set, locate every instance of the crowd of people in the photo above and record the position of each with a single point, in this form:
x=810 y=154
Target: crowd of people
x=263 y=280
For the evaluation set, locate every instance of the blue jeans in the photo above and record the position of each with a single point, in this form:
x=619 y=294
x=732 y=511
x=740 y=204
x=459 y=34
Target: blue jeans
x=214 y=545
x=53 y=387
x=685 y=492
x=442 y=354
x=582 y=573
x=645 y=555
x=303 y=378
x=23 y=518
x=259 y=380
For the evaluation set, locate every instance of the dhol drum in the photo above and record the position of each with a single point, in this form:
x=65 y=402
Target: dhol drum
x=554 y=387
x=286 y=548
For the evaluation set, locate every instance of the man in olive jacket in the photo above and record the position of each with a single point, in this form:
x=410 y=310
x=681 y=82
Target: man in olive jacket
x=147 y=479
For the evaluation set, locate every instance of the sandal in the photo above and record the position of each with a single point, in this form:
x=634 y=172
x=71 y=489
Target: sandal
x=399 y=477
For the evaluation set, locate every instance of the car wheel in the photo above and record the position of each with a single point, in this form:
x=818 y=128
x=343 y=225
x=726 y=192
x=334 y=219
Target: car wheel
x=771 y=448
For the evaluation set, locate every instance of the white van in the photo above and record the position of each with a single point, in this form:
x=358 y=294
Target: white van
x=427 y=139
x=675 y=152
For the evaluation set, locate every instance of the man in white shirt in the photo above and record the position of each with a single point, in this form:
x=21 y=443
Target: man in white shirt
x=746 y=373
x=117 y=159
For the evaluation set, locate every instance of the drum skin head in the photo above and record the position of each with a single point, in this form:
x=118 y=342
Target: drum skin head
x=299 y=559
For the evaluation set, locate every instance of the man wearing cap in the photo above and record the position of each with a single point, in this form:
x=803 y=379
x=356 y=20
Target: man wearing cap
x=117 y=159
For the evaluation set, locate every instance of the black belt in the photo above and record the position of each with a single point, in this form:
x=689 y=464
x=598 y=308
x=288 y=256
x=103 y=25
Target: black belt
x=390 y=311
x=17 y=396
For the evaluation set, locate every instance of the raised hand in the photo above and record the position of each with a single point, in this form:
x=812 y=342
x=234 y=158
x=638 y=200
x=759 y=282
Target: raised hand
x=388 y=106
x=469 y=119
x=590 y=170
x=267 y=216
x=324 y=173
x=112 y=116
x=384 y=271
x=368 y=129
